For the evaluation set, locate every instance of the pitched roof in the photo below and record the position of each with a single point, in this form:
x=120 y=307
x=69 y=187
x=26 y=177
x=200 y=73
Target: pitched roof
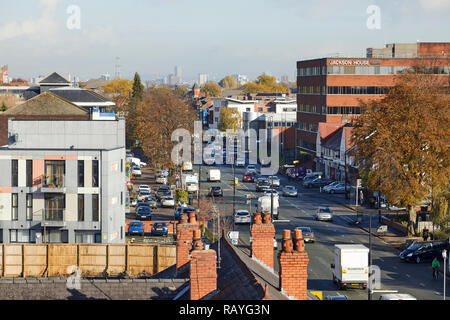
x=78 y=95
x=45 y=104
x=54 y=78
x=95 y=83
x=327 y=128
x=348 y=136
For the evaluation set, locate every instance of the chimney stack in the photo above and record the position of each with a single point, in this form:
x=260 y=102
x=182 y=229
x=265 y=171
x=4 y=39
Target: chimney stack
x=262 y=232
x=293 y=266
x=203 y=269
x=185 y=231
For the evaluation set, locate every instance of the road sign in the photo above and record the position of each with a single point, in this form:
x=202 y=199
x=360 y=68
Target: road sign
x=358 y=183
x=234 y=236
x=382 y=229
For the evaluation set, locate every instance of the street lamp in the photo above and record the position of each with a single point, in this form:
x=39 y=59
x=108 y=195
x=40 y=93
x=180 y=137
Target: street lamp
x=444 y=255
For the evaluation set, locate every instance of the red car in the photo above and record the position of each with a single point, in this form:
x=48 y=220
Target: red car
x=248 y=178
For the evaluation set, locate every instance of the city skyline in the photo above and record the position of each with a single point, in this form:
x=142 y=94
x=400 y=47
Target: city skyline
x=150 y=44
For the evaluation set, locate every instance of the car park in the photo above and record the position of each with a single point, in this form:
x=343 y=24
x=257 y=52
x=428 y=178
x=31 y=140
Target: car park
x=290 y=191
x=307 y=234
x=324 y=214
x=168 y=202
x=424 y=251
x=216 y=191
x=144 y=213
x=242 y=216
x=159 y=229
x=136 y=227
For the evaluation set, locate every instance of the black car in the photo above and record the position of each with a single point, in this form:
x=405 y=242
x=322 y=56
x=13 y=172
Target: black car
x=316 y=183
x=262 y=186
x=216 y=191
x=162 y=192
x=144 y=212
x=424 y=251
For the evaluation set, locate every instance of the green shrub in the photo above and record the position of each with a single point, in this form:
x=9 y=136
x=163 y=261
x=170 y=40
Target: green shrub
x=181 y=195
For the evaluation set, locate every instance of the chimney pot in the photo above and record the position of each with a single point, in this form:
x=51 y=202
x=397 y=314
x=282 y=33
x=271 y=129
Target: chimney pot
x=287 y=242
x=192 y=217
x=257 y=218
x=267 y=219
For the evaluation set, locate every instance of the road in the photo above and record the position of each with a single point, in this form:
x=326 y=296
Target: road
x=415 y=279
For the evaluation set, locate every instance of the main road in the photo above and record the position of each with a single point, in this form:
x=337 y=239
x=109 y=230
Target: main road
x=415 y=279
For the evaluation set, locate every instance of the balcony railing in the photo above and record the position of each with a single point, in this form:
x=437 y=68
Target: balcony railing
x=49 y=215
x=56 y=181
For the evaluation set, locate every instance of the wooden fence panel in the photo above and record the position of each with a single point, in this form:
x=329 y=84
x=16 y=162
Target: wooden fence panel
x=35 y=260
x=13 y=260
x=60 y=257
x=140 y=258
x=167 y=257
x=116 y=263
x=92 y=259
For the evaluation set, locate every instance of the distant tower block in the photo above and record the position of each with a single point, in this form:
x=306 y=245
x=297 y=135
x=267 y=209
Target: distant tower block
x=118 y=66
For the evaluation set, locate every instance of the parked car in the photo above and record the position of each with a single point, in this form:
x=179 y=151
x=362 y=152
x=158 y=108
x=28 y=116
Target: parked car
x=180 y=210
x=324 y=214
x=248 y=178
x=424 y=251
x=137 y=172
x=162 y=191
x=159 y=229
x=337 y=188
x=262 y=186
x=216 y=191
x=143 y=195
x=307 y=233
x=152 y=202
x=144 y=187
x=134 y=202
x=168 y=201
x=161 y=179
x=136 y=227
x=330 y=185
x=144 y=212
x=242 y=216
x=290 y=191
x=276 y=181
x=317 y=182
x=142 y=204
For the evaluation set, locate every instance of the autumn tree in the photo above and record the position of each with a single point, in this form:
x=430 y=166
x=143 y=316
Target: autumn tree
x=402 y=141
x=265 y=84
x=228 y=82
x=137 y=90
x=159 y=114
x=212 y=89
x=181 y=91
x=229 y=119
x=119 y=86
x=3 y=107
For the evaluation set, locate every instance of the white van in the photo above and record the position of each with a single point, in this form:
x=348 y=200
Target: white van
x=214 y=175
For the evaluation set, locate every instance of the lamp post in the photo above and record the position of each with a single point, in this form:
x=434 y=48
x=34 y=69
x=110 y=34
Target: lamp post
x=444 y=255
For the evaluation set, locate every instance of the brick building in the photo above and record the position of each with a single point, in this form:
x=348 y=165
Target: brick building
x=329 y=89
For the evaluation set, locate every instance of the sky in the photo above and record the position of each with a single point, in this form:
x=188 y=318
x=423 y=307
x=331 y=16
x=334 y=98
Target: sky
x=151 y=37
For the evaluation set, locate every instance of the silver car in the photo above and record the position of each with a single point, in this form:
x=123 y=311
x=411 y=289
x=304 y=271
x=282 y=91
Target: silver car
x=276 y=181
x=242 y=216
x=290 y=191
x=324 y=214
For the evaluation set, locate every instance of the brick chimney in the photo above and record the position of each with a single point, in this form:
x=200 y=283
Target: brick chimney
x=185 y=236
x=262 y=233
x=203 y=269
x=293 y=266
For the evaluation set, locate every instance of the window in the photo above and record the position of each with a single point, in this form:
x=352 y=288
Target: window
x=15 y=173
x=54 y=172
x=81 y=207
x=95 y=211
x=29 y=173
x=20 y=236
x=15 y=207
x=29 y=206
x=13 y=235
x=121 y=165
x=95 y=173
x=81 y=173
x=55 y=205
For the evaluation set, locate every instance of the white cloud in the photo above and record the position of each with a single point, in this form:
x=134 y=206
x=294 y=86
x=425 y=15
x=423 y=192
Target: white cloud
x=44 y=26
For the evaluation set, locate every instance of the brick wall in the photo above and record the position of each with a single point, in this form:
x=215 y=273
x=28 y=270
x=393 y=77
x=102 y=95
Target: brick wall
x=262 y=233
x=185 y=235
x=203 y=273
x=293 y=262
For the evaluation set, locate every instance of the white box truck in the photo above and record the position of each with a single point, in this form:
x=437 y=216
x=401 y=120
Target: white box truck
x=214 y=175
x=190 y=181
x=264 y=205
x=187 y=166
x=351 y=266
